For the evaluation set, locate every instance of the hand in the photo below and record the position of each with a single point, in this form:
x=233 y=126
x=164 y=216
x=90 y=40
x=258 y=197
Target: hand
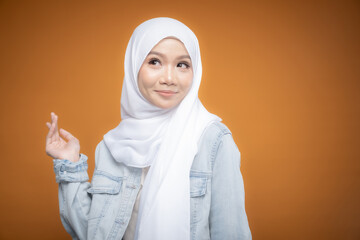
x=57 y=147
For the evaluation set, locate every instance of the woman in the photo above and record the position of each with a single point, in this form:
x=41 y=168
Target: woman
x=170 y=169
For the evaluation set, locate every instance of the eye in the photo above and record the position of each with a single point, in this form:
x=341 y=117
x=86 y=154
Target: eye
x=183 y=65
x=154 y=61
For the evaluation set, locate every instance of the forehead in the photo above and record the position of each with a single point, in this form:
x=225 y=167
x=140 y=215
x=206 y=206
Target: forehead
x=170 y=43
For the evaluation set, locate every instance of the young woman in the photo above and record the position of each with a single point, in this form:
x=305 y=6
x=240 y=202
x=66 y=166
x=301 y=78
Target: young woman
x=170 y=169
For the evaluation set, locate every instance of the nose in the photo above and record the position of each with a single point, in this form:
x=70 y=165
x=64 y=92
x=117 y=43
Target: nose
x=169 y=76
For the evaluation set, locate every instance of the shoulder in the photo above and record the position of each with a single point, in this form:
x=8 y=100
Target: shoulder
x=214 y=135
x=100 y=149
x=216 y=142
x=215 y=130
x=103 y=156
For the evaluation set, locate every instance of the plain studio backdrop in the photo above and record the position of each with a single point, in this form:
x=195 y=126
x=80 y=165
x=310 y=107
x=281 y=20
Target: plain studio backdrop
x=283 y=75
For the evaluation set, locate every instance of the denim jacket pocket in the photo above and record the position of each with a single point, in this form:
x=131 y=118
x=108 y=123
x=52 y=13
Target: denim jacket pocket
x=197 y=186
x=106 y=183
x=105 y=189
x=198 y=189
x=198 y=183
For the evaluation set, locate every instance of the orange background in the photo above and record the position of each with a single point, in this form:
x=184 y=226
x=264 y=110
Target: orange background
x=283 y=75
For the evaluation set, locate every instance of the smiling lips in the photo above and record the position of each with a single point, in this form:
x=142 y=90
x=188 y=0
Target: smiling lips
x=165 y=93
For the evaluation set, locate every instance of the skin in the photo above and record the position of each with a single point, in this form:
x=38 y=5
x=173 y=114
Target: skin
x=164 y=79
x=166 y=74
x=61 y=144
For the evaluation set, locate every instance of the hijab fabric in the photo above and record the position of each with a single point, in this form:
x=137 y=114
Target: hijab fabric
x=165 y=139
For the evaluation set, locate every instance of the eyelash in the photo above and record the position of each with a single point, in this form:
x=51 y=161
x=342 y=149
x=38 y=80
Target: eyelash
x=186 y=64
x=153 y=60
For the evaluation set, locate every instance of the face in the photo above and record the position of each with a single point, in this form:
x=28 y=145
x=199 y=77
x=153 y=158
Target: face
x=166 y=74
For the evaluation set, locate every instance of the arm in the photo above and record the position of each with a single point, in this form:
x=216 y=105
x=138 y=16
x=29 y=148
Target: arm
x=228 y=218
x=71 y=173
x=74 y=201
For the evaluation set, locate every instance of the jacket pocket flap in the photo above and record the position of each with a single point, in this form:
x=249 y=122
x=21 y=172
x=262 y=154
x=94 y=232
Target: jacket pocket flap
x=197 y=186
x=103 y=182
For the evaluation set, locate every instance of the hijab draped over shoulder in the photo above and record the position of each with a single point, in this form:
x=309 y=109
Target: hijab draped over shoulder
x=165 y=139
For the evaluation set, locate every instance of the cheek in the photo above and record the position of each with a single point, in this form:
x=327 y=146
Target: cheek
x=147 y=78
x=187 y=82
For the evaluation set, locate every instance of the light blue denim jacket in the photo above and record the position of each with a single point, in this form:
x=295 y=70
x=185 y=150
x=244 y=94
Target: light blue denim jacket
x=102 y=209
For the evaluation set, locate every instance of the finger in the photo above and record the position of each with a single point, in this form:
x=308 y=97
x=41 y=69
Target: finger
x=50 y=136
x=52 y=114
x=68 y=136
x=56 y=132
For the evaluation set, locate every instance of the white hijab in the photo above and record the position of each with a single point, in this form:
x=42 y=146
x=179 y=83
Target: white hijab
x=165 y=139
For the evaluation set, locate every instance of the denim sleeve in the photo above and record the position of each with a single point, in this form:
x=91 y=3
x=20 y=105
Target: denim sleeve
x=228 y=218
x=74 y=201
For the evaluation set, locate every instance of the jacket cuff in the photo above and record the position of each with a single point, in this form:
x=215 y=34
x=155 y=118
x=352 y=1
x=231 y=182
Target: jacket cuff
x=67 y=171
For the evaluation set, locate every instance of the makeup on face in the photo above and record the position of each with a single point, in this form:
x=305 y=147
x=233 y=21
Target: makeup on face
x=166 y=74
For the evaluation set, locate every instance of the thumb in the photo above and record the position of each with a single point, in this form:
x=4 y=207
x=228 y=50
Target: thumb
x=68 y=136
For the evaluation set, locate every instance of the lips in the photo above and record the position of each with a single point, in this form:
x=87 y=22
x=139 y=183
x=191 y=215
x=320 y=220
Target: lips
x=165 y=93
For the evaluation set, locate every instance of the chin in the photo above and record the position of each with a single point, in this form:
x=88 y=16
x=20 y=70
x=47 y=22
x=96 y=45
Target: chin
x=166 y=105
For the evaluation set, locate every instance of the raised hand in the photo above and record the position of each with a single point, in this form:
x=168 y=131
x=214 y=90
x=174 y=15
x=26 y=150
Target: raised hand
x=63 y=146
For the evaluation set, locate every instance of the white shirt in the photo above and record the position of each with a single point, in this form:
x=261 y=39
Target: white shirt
x=130 y=230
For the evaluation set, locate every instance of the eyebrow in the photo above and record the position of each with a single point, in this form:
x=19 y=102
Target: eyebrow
x=162 y=55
